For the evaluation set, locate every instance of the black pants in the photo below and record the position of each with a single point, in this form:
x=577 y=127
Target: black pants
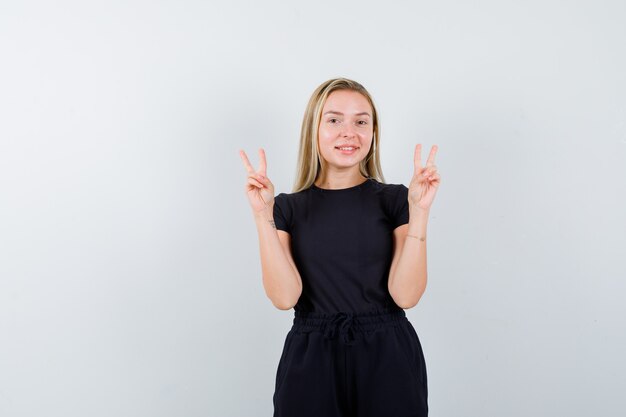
x=351 y=365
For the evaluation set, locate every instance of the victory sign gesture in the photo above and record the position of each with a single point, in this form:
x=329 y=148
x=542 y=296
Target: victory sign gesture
x=259 y=188
x=425 y=180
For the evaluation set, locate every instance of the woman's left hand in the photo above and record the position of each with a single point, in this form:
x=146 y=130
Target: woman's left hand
x=425 y=180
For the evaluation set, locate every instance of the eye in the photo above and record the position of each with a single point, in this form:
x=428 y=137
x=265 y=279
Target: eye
x=333 y=120
x=362 y=122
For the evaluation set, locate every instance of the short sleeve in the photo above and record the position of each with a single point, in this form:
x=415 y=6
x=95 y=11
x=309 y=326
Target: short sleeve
x=282 y=213
x=400 y=209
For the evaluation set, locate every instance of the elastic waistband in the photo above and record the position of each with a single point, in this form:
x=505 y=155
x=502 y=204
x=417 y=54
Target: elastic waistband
x=346 y=323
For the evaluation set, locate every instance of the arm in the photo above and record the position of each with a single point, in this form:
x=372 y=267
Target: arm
x=281 y=278
x=408 y=272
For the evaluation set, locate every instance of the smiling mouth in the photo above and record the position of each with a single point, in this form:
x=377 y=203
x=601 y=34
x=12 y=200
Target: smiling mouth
x=347 y=148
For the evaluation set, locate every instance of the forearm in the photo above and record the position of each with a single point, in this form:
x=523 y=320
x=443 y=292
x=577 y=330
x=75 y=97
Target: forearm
x=408 y=281
x=281 y=279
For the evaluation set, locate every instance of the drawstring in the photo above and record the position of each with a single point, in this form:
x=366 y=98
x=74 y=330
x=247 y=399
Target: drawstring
x=344 y=321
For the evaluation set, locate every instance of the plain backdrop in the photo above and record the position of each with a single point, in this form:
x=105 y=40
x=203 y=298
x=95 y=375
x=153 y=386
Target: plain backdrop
x=130 y=278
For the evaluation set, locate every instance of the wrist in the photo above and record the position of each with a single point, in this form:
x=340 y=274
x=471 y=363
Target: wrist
x=421 y=238
x=264 y=218
x=418 y=222
x=418 y=214
x=414 y=208
x=265 y=214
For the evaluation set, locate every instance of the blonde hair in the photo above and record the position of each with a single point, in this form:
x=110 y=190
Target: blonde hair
x=309 y=158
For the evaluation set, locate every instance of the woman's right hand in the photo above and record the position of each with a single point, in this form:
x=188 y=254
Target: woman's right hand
x=259 y=188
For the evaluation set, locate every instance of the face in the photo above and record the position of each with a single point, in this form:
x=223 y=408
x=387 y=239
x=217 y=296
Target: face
x=346 y=122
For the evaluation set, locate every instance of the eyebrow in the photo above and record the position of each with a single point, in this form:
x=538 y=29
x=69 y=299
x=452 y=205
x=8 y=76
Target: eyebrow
x=364 y=113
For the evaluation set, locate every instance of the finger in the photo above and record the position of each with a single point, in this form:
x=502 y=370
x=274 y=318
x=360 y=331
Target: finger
x=246 y=162
x=430 y=170
x=417 y=159
x=262 y=164
x=257 y=177
x=431 y=156
x=434 y=178
x=265 y=181
x=262 y=179
x=255 y=182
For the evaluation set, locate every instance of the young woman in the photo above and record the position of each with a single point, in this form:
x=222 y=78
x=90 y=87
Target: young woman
x=347 y=252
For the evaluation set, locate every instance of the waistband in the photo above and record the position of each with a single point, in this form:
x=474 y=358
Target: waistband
x=346 y=324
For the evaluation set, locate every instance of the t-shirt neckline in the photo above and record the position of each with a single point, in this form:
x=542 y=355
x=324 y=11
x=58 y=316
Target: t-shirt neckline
x=336 y=190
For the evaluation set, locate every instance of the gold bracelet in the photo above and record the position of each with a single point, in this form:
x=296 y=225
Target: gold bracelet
x=420 y=238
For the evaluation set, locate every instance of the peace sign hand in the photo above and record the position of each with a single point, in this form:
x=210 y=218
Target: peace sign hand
x=259 y=188
x=425 y=180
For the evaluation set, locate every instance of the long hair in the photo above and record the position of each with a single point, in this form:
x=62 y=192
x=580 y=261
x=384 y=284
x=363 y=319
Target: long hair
x=309 y=158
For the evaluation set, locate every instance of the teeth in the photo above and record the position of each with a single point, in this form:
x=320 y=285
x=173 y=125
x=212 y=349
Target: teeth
x=346 y=149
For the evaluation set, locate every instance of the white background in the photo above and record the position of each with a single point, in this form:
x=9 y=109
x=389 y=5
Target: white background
x=130 y=280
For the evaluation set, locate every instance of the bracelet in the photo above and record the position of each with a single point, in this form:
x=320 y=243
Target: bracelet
x=420 y=238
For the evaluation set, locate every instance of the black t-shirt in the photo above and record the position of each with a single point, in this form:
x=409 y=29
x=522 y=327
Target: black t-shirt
x=342 y=243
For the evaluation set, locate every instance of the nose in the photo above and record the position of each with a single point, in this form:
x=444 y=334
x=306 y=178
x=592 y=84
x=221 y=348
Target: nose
x=347 y=131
